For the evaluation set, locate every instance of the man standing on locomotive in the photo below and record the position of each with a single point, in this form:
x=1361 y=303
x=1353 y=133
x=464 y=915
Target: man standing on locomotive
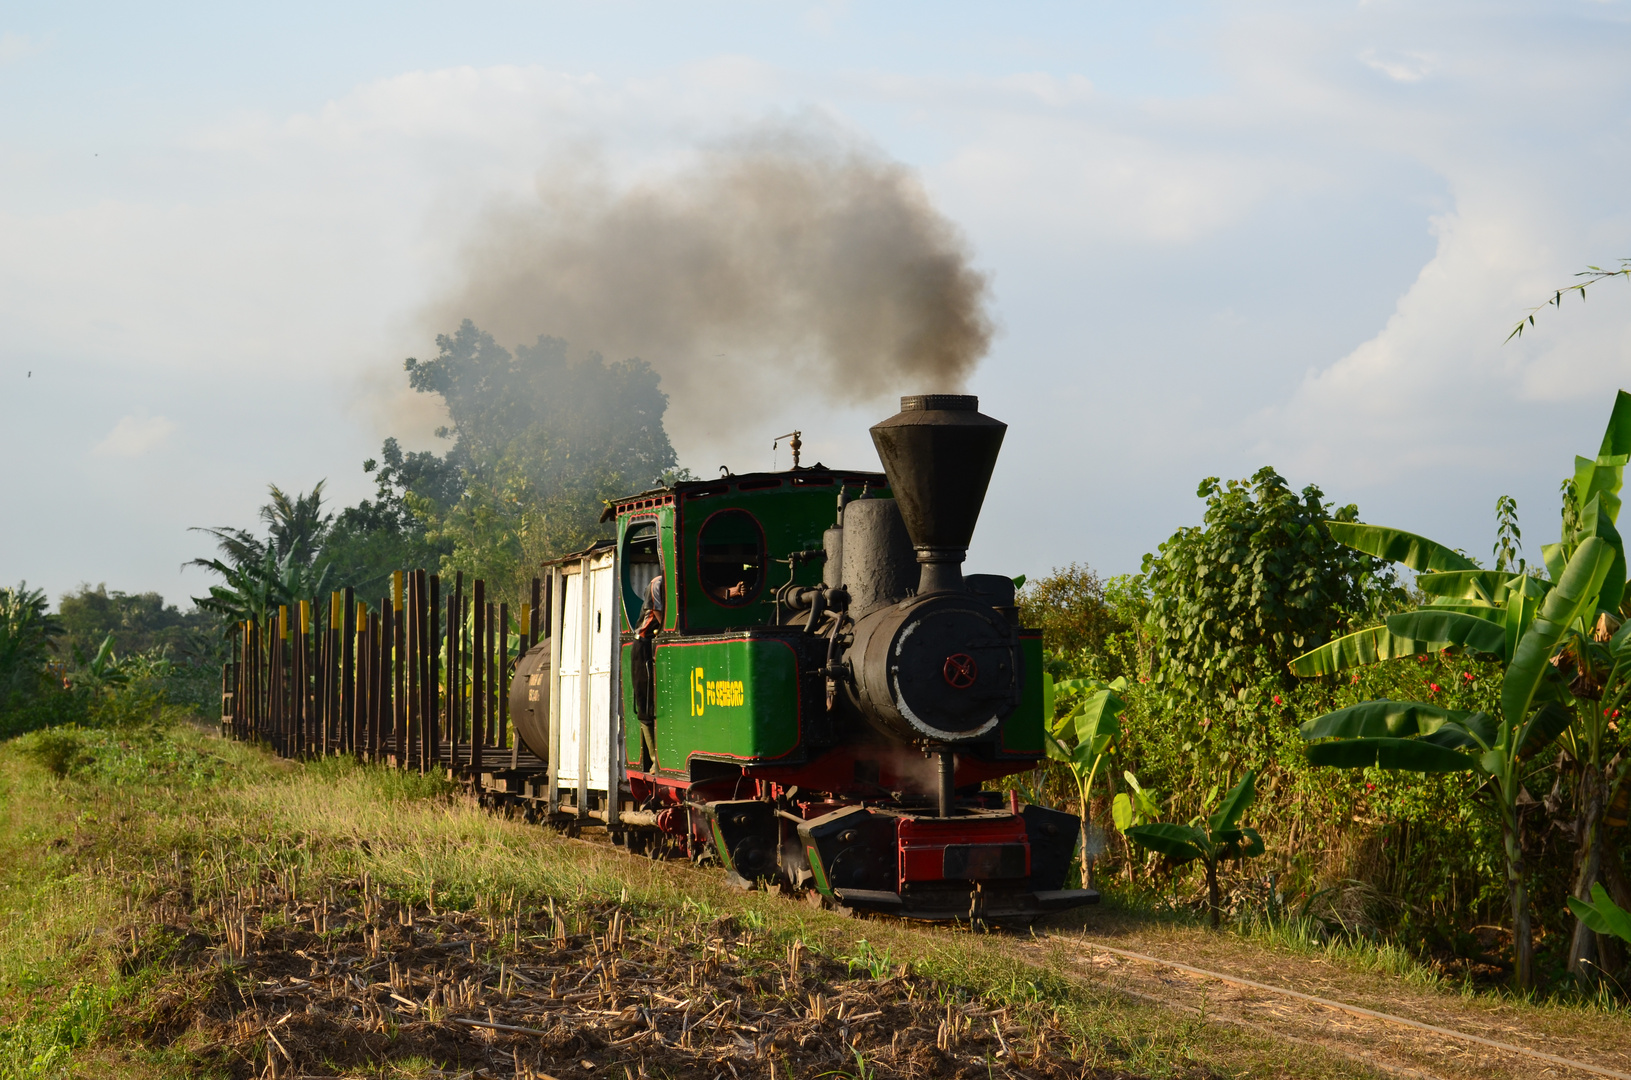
x=643 y=654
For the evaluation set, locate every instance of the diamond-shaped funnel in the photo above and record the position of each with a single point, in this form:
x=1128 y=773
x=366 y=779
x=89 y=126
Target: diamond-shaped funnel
x=938 y=452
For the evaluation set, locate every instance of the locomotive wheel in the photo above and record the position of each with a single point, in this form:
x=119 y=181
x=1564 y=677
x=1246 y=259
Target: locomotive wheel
x=751 y=859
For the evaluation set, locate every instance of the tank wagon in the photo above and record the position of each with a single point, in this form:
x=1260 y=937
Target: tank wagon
x=790 y=672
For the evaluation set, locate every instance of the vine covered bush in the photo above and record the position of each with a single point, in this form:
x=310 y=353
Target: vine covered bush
x=1201 y=640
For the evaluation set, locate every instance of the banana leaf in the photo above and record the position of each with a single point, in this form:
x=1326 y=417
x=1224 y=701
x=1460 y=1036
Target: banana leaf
x=1096 y=721
x=1556 y=557
x=1477 y=608
x=1456 y=627
x=1362 y=647
x=1476 y=731
x=1487 y=585
x=1234 y=804
x=1242 y=843
x=1602 y=915
x=1574 y=594
x=1520 y=612
x=1129 y=806
x=1617 y=438
x=1079 y=756
x=1180 y=843
x=1411 y=755
x=1600 y=523
x=1396 y=545
x=1600 y=478
x=1549 y=721
x=1382 y=718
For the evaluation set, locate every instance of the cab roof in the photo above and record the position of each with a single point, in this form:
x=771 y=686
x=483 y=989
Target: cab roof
x=817 y=475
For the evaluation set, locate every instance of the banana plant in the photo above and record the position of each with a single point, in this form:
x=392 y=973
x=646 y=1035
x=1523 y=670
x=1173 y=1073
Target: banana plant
x=1223 y=837
x=1083 y=737
x=104 y=671
x=1135 y=806
x=1528 y=624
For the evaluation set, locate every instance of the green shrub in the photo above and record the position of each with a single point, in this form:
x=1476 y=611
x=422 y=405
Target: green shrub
x=61 y=750
x=1259 y=582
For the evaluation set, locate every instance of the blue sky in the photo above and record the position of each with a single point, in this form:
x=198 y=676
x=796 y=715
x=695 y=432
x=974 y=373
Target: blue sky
x=1220 y=236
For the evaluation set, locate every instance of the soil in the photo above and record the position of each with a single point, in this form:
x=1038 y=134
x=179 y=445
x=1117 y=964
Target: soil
x=352 y=983
x=1580 y=1033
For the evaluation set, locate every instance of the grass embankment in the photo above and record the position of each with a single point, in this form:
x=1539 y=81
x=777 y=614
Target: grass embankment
x=177 y=905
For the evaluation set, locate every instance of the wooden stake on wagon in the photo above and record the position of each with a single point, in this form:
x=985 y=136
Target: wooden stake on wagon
x=399 y=672
x=478 y=681
x=433 y=654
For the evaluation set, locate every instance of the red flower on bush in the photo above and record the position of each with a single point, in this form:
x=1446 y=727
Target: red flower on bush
x=1432 y=688
x=1277 y=700
x=1467 y=675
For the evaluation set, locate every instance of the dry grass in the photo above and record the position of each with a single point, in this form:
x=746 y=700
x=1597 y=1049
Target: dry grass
x=228 y=914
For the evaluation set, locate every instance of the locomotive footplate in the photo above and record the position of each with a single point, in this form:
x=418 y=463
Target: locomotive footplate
x=974 y=864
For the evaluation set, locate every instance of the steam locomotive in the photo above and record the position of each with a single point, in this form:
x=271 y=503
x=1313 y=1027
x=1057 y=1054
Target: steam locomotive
x=789 y=672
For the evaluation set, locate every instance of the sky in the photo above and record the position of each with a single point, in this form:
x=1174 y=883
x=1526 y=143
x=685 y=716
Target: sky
x=1218 y=236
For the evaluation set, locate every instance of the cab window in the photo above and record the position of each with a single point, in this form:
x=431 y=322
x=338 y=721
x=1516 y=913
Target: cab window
x=731 y=557
x=641 y=563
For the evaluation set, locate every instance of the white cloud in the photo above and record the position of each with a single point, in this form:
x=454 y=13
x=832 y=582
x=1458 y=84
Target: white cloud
x=1440 y=161
x=135 y=436
x=1403 y=67
x=15 y=47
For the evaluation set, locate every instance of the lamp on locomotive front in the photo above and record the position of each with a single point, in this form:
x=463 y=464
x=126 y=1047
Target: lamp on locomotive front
x=941 y=669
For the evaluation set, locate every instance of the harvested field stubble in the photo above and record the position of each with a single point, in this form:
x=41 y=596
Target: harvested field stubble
x=246 y=915
x=282 y=983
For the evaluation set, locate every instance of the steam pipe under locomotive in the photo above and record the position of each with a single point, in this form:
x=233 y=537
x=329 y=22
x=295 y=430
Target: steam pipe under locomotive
x=814 y=699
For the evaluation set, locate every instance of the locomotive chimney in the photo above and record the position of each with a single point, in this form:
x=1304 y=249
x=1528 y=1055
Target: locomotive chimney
x=938 y=453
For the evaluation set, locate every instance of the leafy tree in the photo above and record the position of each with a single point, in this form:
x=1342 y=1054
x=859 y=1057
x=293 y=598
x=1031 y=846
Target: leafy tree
x=28 y=633
x=541 y=441
x=1069 y=606
x=369 y=541
x=1259 y=582
x=137 y=623
x=564 y=421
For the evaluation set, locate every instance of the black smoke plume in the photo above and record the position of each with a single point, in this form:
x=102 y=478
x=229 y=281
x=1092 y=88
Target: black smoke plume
x=793 y=260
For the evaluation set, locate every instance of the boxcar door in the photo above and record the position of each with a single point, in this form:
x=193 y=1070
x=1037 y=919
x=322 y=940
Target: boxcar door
x=590 y=744
x=602 y=596
x=570 y=690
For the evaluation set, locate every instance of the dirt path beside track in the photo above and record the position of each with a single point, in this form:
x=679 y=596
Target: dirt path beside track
x=1147 y=962
x=1092 y=945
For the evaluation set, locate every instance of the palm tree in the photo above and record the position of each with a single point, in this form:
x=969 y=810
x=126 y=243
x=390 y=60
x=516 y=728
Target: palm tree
x=260 y=575
x=297 y=526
